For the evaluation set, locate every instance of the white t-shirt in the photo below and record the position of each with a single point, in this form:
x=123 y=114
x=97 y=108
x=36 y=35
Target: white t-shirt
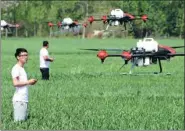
x=21 y=93
x=44 y=63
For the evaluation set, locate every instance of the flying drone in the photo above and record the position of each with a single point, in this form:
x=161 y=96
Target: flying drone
x=4 y=25
x=7 y=27
x=67 y=24
x=118 y=17
x=147 y=52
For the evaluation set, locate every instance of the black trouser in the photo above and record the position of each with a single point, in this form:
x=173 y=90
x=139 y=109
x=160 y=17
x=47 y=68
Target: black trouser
x=45 y=73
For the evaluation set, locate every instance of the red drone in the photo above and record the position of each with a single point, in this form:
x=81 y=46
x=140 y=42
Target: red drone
x=146 y=52
x=118 y=17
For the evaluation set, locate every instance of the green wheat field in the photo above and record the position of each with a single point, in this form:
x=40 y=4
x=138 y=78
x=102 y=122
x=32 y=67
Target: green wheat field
x=84 y=94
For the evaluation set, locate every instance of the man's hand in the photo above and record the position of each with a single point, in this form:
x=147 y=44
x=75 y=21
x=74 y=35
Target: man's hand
x=17 y=83
x=32 y=81
x=51 y=59
x=46 y=58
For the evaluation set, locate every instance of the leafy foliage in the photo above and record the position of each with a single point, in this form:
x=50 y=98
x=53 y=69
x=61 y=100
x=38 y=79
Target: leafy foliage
x=167 y=16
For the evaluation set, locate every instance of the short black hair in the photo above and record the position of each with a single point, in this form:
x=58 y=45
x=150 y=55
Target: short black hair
x=19 y=50
x=45 y=43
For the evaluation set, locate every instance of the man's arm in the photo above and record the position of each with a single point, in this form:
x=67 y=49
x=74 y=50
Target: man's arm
x=46 y=58
x=17 y=83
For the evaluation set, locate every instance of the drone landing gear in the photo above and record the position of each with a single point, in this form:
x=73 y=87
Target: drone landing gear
x=131 y=27
x=130 y=72
x=160 y=67
x=107 y=27
x=132 y=67
x=146 y=73
x=126 y=62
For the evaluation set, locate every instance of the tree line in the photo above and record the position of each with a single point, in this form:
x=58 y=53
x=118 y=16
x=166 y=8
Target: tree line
x=166 y=17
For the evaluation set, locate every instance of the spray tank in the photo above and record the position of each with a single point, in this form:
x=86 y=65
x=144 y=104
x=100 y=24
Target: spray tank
x=116 y=13
x=147 y=45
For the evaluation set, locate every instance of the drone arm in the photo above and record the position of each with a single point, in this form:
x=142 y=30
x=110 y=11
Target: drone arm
x=125 y=26
x=91 y=19
x=158 y=55
x=114 y=56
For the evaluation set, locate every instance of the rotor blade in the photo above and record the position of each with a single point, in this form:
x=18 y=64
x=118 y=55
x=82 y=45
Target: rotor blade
x=104 y=49
x=91 y=49
x=115 y=50
x=177 y=46
x=177 y=54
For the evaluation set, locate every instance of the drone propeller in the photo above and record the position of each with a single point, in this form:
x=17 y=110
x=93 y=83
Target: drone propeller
x=91 y=49
x=177 y=54
x=177 y=47
x=102 y=55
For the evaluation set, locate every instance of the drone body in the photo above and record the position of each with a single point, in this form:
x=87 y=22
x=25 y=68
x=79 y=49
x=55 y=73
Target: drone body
x=67 y=25
x=4 y=25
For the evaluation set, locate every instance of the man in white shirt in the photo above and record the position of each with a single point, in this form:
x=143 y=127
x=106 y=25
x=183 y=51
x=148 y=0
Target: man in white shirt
x=21 y=83
x=45 y=61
